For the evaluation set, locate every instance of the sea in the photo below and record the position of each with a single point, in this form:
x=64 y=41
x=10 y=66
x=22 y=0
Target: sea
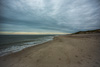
x=14 y=43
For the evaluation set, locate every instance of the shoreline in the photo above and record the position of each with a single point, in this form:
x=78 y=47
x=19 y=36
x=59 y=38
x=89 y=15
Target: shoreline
x=24 y=46
x=66 y=50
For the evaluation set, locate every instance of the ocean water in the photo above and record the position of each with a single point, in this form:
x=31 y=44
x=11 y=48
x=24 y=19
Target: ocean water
x=14 y=43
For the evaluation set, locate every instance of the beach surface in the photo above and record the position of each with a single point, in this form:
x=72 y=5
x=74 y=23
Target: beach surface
x=77 y=50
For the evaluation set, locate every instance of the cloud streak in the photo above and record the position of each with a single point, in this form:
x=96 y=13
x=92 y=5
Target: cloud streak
x=65 y=16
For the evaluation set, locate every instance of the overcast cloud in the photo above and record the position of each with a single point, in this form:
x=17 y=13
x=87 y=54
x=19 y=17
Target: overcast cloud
x=66 y=16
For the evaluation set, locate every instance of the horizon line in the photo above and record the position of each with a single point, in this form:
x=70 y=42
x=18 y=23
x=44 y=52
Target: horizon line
x=29 y=33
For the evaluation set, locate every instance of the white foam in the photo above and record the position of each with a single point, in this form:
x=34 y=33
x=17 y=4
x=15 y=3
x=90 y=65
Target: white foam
x=16 y=48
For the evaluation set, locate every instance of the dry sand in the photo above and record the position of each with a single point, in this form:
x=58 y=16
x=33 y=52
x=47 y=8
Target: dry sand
x=81 y=50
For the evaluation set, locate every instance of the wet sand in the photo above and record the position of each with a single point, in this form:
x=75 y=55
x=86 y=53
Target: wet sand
x=78 y=50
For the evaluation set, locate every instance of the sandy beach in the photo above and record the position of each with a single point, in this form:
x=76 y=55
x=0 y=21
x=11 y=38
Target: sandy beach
x=77 y=50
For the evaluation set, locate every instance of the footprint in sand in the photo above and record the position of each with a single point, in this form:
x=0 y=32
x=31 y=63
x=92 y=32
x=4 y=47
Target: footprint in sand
x=97 y=62
x=79 y=62
x=59 y=58
x=76 y=56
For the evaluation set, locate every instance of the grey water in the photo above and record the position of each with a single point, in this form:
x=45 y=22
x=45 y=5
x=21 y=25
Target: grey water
x=14 y=43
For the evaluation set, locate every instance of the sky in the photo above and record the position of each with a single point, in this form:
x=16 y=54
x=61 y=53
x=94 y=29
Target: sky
x=49 y=16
